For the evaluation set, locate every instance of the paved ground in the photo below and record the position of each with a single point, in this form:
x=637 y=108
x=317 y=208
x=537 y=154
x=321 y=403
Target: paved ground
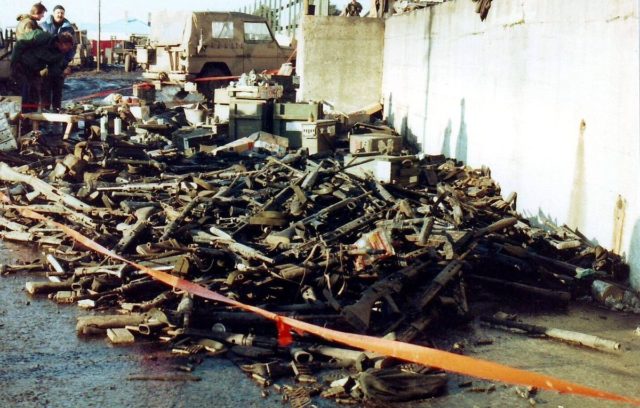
x=44 y=364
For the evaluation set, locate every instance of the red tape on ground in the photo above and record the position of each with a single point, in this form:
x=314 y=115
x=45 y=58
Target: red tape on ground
x=410 y=352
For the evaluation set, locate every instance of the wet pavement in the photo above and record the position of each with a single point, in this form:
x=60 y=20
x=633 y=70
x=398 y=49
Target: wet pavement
x=85 y=83
x=44 y=364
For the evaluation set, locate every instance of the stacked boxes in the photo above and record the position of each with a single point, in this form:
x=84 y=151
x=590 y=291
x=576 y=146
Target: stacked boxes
x=251 y=109
x=402 y=170
x=289 y=117
x=10 y=107
x=221 y=104
x=319 y=136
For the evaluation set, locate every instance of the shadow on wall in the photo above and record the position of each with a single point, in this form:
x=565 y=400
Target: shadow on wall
x=446 y=140
x=462 y=140
x=391 y=116
x=578 y=193
x=429 y=35
x=410 y=139
x=634 y=256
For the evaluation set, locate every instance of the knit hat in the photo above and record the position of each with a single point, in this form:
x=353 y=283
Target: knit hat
x=58 y=7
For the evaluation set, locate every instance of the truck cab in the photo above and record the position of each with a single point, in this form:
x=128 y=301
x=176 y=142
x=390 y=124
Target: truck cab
x=189 y=45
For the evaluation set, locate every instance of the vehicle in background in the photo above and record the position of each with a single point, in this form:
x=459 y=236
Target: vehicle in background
x=7 y=38
x=190 y=45
x=83 y=56
x=124 y=52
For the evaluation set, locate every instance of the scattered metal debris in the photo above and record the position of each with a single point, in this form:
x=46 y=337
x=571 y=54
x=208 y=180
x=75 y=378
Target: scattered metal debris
x=361 y=237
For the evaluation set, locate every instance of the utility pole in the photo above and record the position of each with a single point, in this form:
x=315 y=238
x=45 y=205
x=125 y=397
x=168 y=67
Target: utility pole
x=99 y=28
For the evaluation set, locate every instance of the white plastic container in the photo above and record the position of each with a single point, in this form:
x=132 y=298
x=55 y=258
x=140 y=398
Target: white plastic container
x=103 y=128
x=117 y=126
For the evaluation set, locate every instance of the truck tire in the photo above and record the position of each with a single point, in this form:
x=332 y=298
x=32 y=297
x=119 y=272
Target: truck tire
x=207 y=88
x=127 y=63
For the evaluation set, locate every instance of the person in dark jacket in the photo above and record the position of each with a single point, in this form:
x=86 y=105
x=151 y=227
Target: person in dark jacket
x=37 y=55
x=353 y=9
x=51 y=94
x=29 y=22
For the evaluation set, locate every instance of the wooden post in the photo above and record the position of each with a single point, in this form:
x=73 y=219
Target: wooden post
x=99 y=29
x=289 y=22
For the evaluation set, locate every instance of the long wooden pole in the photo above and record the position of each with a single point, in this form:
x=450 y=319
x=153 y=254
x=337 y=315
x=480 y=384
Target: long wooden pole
x=99 y=29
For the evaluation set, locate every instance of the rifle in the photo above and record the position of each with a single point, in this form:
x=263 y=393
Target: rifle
x=284 y=237
x=572 y=270
x=139 y=186
x=359 y=313
x=140 y=227
x=220 y=237
x=335 y=234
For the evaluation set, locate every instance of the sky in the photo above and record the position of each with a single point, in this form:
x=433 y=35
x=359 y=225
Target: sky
x=86 y=11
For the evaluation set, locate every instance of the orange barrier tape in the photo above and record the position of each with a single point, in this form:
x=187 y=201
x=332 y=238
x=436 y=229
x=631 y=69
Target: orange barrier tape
x=216 y=78
x=410 y=352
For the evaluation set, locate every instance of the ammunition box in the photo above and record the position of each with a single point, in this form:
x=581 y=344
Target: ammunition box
x=288 y=119
x=297 y=111
x=247 y=116
x=189 y=137
x=402 y=170
x=291 y=129
x=256 y=92
x=221 y=95
x=319 y=136
x=375 y=142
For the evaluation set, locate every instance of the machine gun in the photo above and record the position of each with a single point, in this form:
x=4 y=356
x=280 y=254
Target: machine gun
x=359 y=313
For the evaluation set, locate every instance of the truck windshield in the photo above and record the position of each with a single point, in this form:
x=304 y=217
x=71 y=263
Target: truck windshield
x=168 y=28
x=257 y=32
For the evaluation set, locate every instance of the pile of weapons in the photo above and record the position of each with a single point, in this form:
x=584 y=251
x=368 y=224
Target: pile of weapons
x=296 y=235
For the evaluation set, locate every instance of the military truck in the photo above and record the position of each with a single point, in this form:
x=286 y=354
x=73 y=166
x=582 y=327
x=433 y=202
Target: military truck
x=190 y=45
x=124 y=52
x=82 y=57
x=7 y=38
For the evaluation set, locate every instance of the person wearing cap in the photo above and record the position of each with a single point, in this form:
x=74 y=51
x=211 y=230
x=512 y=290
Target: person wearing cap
x=37 y=55
x=51 y=94
x=29 y=22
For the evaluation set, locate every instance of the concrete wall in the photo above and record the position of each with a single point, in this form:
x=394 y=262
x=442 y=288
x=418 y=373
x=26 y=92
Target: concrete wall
x=546 y=93
x=340 y=60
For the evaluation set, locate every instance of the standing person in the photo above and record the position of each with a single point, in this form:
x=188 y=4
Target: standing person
x=51 y=95
x=37 y=55
x=353 y=9
x=29 y=22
